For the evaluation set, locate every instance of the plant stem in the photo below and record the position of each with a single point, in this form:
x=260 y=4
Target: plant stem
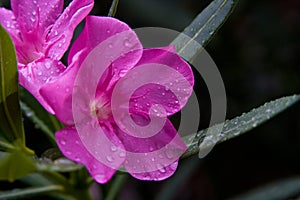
x=115 y=187
x=113 y=8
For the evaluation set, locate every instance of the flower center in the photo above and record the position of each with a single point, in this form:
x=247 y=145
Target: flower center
x=100 y=109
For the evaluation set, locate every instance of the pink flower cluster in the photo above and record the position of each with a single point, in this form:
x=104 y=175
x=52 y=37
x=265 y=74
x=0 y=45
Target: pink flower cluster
x=114 y=96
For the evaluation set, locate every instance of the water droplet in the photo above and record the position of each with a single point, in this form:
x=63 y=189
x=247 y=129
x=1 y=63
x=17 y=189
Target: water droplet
x=34 y=12
x=122 y=154
x=69 y=153
x=153 y=159
x=109 y=158
x=34 y=1
x=127 y=43
x=163 y=94
x=110 y=45
x=108 y=31
x=161 y=168
x=47 y=65
x=151 y=148
x=77 y=159
x=55 y=33
x=40 y=73
x=59 y=45
x=113 y=148
x=100 y=177
x=169 y=154
x=67 y=90
x=173 y=166
x=32 y=19
x=77 y=142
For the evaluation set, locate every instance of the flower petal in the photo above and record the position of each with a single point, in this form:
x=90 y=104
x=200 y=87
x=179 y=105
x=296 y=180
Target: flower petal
x=34 y=75
x=61 y=100
x=61 y=33
x=90 y=38
x=162 y=173
x=97 y=53
x=72 y=147
x=170 y=87
x=36 y=15
x=8 y=21
x=153 y=158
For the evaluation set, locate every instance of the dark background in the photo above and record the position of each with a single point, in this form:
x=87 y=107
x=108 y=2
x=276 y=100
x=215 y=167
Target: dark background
x=257 y=53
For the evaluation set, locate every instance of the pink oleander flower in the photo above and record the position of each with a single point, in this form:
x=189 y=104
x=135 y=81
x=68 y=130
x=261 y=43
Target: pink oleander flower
x=41 y=34
x=114 y=120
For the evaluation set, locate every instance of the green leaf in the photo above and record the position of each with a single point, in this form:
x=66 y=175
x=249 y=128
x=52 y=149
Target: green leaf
x=38 y=115
x=15 y=164
x=282 y=189
x=113 y=8
x=206 y=139
x=11 y=125
x=204 y=26
x=30 y=192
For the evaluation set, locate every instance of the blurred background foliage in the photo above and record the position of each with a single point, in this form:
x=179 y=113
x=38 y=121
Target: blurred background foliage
x=257 y=53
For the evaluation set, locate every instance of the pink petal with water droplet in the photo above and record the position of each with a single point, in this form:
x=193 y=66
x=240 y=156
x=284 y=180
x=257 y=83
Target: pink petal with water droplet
x=58 y=94
x=34 y=16
x=61 y=33
x=162 y=173
x=72 y=147
x=36 y=74
x=171 y=91
x=153 y=158
x=61 y=101
x=96 y=31
x=7 y=20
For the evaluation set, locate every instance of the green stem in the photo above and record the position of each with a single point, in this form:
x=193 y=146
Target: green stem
x=29 y=192
x=57 y=125
x=115 y=187
x=113 y=9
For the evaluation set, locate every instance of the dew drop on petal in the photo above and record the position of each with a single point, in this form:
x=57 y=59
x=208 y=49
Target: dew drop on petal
x=63 y=142
x=161 y=168
x=100 y=178
x=127 y=43
x=110 y=158
x=113 y=148
x=173 y=166
x=122 y=154
x=169 y=154
x=77 y=159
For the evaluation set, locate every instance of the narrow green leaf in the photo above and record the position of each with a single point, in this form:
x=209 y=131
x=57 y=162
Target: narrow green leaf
x=30 y=114
x=282 y=189
x=30 y=192
x=204 y=26
x=38 y=115
x=15 y=165
x=113 y=8
x=10 y=114
x=206 y=139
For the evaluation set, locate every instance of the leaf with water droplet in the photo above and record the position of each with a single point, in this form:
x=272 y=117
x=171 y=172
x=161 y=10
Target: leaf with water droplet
x=207 y=138
x=204 y=26
x=38 y=115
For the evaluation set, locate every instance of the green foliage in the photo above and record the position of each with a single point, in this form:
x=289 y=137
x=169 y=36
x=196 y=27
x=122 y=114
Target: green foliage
x=14 y=165
x=203 y=28
x=11 y=125
x=206 y=139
